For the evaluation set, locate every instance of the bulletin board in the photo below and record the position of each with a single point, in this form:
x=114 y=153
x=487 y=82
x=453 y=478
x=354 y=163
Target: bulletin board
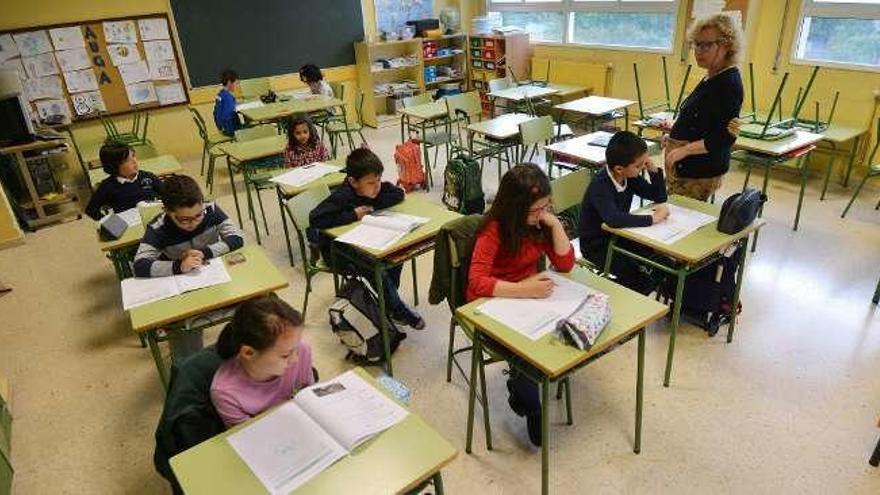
x=109 y=66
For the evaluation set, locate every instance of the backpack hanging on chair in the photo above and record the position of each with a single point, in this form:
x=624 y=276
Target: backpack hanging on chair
x=463 y=186
x=410 y=173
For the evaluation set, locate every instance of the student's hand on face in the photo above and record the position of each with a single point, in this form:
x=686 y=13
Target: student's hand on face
x=733 y=127
x=538 y=287
x=361 y=211
x=661 y=212
x=549 y=219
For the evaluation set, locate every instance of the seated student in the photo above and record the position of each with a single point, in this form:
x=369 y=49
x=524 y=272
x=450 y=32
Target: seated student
x=304 y=146
x=184 y=237
x=311 y=75
x=225 y=116
x=265 y=362
x=363 y=192
x=126 y=186
x=608 y=199
x=517 y=231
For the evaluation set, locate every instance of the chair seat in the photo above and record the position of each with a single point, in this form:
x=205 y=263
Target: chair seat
x=337 y=126
x=874 y=169
x=215 y=139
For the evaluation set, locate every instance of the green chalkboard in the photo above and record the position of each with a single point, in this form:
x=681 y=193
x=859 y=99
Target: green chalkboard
x=265 y=37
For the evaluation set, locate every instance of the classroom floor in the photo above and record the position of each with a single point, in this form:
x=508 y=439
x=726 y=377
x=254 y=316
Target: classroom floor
x=791 y=406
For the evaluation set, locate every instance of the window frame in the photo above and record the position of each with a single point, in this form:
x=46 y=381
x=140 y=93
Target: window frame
x=569 y=7
x=810 y=8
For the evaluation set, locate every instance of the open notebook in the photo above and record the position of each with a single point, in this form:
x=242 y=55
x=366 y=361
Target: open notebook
x=139 y=291
x=301 y=176
x=322 y=424
x=679 y=224
x=380 y=230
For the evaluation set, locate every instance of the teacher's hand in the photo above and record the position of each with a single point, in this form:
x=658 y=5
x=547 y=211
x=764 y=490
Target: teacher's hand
x=733 y=127
x=673 y=157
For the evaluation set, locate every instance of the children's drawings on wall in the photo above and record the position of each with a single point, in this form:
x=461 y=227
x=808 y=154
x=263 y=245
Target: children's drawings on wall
x=79 y=81
x=32 y=43
x=134 y=73
x=8 y=49
x=49 y=108
x=88 y=103
x=67 y=38
x=75 y=59
x=153 y=29
x=139 y=93
x=123 y=54
x=158 y=50
x=40 y=65
x=120 y=32
x=170 y=93
x=165 y=70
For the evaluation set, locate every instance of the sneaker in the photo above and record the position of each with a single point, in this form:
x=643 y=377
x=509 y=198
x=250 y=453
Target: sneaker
x=408 y=317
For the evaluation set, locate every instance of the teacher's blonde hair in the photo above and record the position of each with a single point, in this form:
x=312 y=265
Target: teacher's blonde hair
x=729 y=33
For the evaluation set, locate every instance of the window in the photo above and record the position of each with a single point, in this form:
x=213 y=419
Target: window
x=641 y=24
x=837 y=32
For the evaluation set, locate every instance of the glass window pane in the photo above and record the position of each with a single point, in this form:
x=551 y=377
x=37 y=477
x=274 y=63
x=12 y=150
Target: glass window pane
x=849 y=41
x=541 y=26
x=646 y=30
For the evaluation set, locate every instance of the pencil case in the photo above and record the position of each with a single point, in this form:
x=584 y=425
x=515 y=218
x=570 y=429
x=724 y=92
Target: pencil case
x=584 y=326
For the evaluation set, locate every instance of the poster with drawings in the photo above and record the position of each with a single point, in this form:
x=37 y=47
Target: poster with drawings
x=42 y=87
x=165 y=70
x=134 y=73
x=158 y=50
x=14 y=64
x=170 y=93
x=7 y=47
x=67 y=38
x=32 y=43
x=88 y=103
x=139 y=93
x=48 y=108
x=123 y=54
x=120 y=32
x=75 y=59
x=81 y=80
x=153 y=29
x=40 y=65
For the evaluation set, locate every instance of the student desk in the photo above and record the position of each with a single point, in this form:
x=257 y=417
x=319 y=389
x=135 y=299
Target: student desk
x=565 y=90
x=283 y=109
x=768 y=154
x=595 y=107
x=835 y=136
x=523 y=93
x=398 y=460
x=417 y=242
x=121 y=251
x=159 y=165
x=502 y=129
x=580 y=150
x=684 y=257
x=254 y=277
x=549 y=360
x=424 y=115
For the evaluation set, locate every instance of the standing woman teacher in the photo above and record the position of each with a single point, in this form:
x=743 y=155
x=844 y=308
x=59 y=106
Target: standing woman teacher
x=699 y=144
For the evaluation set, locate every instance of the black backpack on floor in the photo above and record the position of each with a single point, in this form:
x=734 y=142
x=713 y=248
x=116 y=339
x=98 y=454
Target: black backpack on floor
x=354 y=318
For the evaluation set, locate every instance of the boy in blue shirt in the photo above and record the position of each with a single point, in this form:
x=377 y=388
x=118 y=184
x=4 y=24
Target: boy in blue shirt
x=225 y=117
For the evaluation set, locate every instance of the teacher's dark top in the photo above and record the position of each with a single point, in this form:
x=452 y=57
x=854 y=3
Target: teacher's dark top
x=704 y=114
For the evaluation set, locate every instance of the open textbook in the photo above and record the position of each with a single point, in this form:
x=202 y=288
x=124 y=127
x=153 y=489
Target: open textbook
x=535 y=318
x=680 y=222
x=380 y=230
x=139 y=291
x=306 y=435
x=301 y=176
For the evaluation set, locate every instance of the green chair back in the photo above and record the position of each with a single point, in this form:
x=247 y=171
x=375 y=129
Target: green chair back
x=251 y=89
x=536 y=131
x=469 y=103
x=500 y=83
x=568 y=191
x=338 y=89
x=200 y=123
x=420 y=99
x=359 y=108
x=256 y=132
x=298 y=209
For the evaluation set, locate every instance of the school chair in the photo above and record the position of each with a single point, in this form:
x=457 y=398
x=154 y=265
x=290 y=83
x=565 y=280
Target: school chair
x=253 y=89
x=140 y=120
x=440 y=135
x=498 y=85
x=873 y=171
x=463 y=110
x=209 y=146
x=297 y=210
x=188 y=416
x=567 y=193
x=256 y=173
x=540 y=131
x=336 y=128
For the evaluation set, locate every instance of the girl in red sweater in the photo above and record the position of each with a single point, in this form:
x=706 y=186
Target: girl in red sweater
x=520 y=228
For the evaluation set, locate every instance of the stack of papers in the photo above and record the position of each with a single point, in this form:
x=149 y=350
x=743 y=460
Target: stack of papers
x=535 y=318
x=679 y=224
x=380 y=230
x=322 y=424
x=247 y=106
x=301 y=176
x=140 y=291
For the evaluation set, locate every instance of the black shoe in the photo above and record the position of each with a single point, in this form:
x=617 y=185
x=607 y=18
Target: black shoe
x=408 y=317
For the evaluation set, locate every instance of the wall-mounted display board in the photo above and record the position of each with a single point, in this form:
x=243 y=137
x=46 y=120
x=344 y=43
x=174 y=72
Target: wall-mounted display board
x=81 y=69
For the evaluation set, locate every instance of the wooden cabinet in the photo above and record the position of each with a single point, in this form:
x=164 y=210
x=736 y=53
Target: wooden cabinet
x=496 y=56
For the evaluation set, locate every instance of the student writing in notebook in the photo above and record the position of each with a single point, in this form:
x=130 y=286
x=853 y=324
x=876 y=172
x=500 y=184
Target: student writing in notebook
x=186 y=235
x=518 y=230
x=304 y=146
x=225 y=116
x=265 y=360
x=126 y=185
x=609 y=198
x=363 y=192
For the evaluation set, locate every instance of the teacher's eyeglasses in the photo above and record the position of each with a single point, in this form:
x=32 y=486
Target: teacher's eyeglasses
x=702 y=46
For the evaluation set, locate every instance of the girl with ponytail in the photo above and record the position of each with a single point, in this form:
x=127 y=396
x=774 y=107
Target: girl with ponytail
x=265 y=360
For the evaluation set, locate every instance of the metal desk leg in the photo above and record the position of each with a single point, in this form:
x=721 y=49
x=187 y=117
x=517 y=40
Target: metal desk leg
x=676 y=319
x=250 y=204
x=609 y=254
x=234 y=192
x=402 y=120
x=415 y=282
x=739 y=280
x=438 y=483
x=476 y=353
x=487 y=427
x=803 y=164
x=429 y=177
x=640 y=387
x=569 y=417
x=283 y=212
x=545 y=434
x=383 y=317
x=852 y=158
x=153 y=341
x=831 y=163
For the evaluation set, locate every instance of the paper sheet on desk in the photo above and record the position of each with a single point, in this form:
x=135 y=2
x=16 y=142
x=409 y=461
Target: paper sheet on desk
x=247 y=106
x=132 y=216
x=301 y=176
x=679 y=224
x=535 y=318
x=371 y=237
x=213 y=273
x=140 y=291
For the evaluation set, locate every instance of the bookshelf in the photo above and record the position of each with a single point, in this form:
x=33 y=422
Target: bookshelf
x=490 y=56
